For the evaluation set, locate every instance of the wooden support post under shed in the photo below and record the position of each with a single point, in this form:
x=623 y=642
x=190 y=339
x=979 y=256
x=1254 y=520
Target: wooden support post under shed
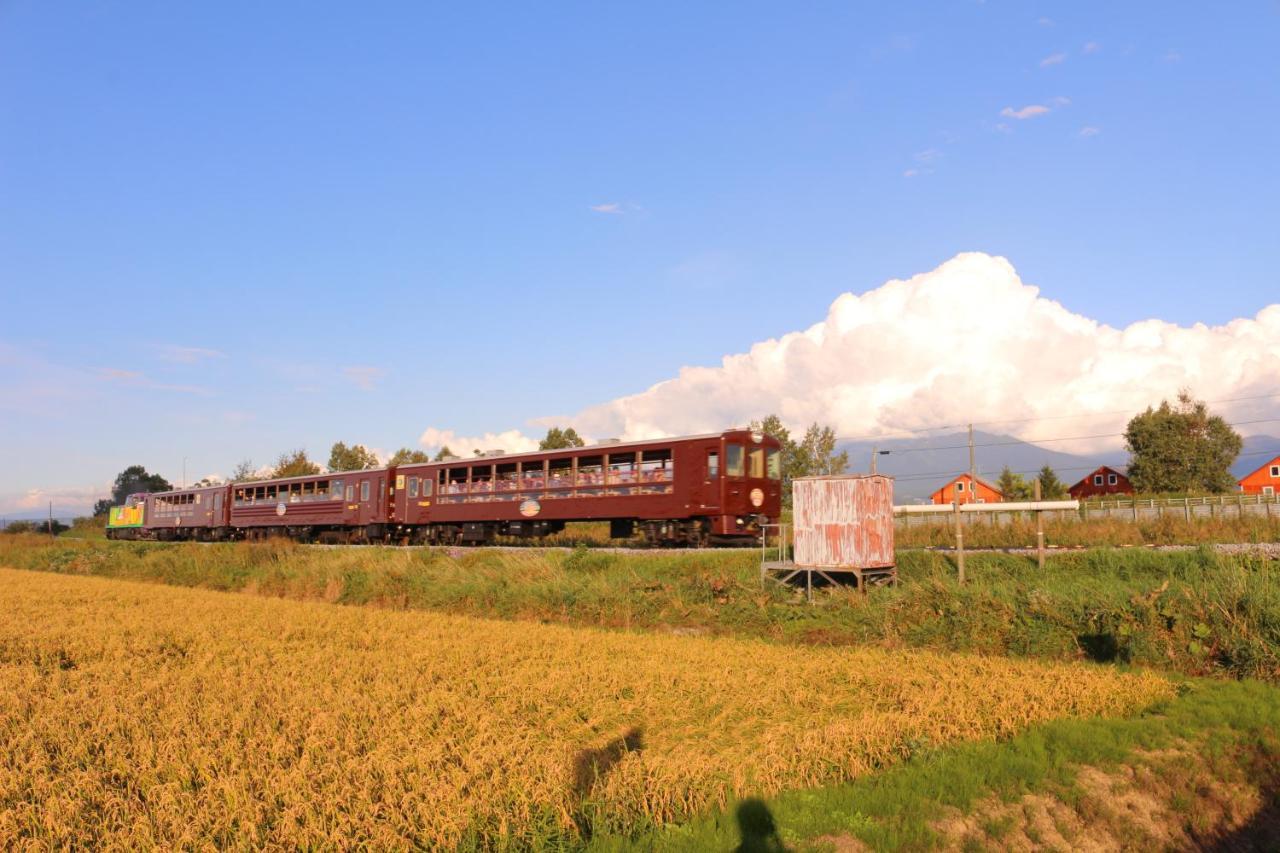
x=959 y=542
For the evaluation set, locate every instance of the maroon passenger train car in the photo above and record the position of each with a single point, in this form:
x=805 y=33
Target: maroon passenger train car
x=697 y=490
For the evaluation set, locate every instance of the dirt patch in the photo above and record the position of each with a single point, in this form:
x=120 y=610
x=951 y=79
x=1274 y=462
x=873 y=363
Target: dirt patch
x=1172 y=799
x=1164 y=801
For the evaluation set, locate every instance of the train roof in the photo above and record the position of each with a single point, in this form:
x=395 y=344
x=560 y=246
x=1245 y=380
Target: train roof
x=598 y=447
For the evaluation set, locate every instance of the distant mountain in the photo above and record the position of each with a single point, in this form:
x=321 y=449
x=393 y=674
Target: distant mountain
x=1258 y=451
x=921 y=466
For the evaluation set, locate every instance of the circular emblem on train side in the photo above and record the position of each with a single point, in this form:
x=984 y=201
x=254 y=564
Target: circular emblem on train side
x=280 y=508
x=530 y=508
x=757 y=497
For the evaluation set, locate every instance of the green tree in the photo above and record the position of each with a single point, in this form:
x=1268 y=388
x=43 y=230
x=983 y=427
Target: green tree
x=1013 y=486
x=244 y=472
x=1051 y=488
x=816 y=453
x=294 y=464
x=404 y=456
x=354 y=458
x=131 y=480
x=443 y=454
x=557 y=439
x=1181 y=448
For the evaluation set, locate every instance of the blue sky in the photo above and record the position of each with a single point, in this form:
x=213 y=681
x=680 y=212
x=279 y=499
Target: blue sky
x=231 y=229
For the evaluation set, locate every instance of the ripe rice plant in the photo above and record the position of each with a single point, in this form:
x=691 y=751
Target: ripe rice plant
x=141 y=716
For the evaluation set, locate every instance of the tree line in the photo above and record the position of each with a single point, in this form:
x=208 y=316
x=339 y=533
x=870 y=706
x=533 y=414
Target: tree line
x=1176 y=447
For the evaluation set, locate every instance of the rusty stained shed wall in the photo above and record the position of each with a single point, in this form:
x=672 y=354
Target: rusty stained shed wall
x=843 y=521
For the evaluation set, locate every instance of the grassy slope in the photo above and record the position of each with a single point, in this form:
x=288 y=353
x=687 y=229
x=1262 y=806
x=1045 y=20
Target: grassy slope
x=1194 y=612
x=1207 y=765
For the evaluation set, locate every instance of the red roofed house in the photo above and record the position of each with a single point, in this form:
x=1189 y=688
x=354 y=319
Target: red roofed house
x=1104 y=481
x=1264 y=481
x=964 y=489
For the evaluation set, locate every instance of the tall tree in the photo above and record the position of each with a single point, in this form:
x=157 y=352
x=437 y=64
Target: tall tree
x=131 y=480
x=354 y=458
x=244 y=471
x=295 y=464
x=1013 y=486
x=1051 y=488
x=443 y=453
x=816 y=453
x=557 y=438
x=404 y=456
x=1181 y=448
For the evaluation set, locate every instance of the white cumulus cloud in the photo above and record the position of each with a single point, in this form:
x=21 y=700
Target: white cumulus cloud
x=1053 y=59
x=511 y=441
x=1029 y=111
x=968 y=341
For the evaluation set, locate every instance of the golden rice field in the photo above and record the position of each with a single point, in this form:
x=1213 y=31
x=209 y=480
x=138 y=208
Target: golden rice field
x=138 y=715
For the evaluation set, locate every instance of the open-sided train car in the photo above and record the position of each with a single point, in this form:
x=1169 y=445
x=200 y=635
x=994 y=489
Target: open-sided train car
x=696 y=490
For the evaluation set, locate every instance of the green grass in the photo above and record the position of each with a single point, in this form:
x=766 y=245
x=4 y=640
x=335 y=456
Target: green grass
x=1230 y=731
x=1194 y=612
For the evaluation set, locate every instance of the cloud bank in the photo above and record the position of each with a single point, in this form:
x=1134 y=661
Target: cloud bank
x=966 y=342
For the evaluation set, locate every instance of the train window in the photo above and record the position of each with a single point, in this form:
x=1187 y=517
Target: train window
x=773 y=464
x=755 y=463
x=733 y=460
x=260 y=494
x=295 y=492
x=655 y=465
x=271 y=493
x=217 y=501
x=560 y=473
x=713 y=464
x=533 y=475
x=622 y=467
x=364 y=490
x=351 y=493
x=413 y=487
x=507 y=477
x=322 y=490
x=482 y=478
x=426 y=487
x=590 y=470
x=457 y=480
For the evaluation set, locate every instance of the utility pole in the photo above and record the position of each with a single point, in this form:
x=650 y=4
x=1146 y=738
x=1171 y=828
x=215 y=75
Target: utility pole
x=973 y=465
x=50 y=518
x=875 y=451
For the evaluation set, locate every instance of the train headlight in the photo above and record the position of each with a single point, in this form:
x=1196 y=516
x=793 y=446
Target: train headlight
x=741 y=522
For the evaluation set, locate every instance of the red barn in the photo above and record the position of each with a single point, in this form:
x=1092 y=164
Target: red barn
x=1264 y=481
x=1103 y=481
x=965 y=489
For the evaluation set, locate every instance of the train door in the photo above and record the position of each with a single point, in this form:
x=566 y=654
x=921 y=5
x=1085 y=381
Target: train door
x=708 y=482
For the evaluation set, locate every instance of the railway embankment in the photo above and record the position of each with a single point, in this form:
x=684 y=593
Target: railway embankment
x=1196 y=612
